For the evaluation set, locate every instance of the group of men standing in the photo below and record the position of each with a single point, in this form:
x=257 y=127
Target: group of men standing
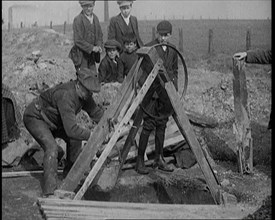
x=53 y=113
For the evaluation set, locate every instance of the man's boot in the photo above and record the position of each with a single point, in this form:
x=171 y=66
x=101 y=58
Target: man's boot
x=143 y=141
x=159 y=160
x=50 y=172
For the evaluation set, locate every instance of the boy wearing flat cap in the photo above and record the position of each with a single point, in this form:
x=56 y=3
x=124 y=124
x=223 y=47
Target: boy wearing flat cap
x=124 y=23
x=53 y=115
x=111 y=67
x=129 y=55
x=88 y=38
x=160 y=108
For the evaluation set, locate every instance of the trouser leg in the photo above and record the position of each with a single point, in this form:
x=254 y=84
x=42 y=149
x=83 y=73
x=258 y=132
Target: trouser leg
x=73 y=150
x=159 y=143
x=43 y=135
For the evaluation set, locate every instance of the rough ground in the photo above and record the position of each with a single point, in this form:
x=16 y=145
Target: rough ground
x=209 y=93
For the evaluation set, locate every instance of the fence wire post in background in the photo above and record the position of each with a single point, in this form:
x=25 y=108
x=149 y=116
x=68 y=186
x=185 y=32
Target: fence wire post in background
x=21 y=24
x=153 y=33
x=248 y=40
x=65 y=27
x=210 y=42
x=241 y=125
x=180 y=40
x=51 y=25
x=9 y=26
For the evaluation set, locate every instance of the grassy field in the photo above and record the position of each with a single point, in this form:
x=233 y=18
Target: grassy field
x=229 y=36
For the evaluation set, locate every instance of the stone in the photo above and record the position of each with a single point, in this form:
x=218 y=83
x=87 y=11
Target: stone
x=29 y=97
x=225 y=182
x=63 y=194
x=37 y=53
x=42 y=65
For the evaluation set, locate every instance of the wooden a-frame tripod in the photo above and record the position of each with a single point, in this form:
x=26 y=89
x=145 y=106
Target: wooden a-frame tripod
x=124 y=106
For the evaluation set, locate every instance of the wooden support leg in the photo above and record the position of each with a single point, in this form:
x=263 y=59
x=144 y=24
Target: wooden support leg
x=241 y=126
x=185 y=128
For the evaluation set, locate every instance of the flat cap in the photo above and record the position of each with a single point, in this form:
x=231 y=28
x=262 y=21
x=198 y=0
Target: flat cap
x=164 y=27
x=87 y=2
x=123 y=3
x=112 y=44
x=89 y=79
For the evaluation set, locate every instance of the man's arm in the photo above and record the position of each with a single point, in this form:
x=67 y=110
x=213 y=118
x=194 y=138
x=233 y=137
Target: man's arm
x=112 y=29
x=259 y=56
x=255 y=56
x=66 y=108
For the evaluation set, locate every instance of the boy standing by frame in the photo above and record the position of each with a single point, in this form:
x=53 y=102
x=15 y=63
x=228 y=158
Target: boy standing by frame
x=159 y=108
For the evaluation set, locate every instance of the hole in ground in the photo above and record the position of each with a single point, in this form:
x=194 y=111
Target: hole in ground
x=178 y=192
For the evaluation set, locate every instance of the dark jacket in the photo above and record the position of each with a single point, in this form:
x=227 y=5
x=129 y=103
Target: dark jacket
x=108 y=71
x=259 y=56
x=86 y=36
x=118 y=28
x=170 y=60
x=128 y=60
x=61 y=104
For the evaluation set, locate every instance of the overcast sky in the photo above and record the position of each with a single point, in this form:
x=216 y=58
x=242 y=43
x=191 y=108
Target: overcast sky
x=60 y=11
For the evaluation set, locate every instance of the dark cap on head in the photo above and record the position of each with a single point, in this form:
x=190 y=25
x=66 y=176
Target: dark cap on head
x=129 y=37
x=112 y=44
x=164 y=27
x=87 y=2
x=89 y=79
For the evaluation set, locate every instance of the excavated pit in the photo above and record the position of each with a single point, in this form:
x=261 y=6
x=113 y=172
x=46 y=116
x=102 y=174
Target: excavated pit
x=156 y=187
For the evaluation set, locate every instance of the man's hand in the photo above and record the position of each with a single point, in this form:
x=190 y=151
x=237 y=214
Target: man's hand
x=240 y=55
x=97 y=49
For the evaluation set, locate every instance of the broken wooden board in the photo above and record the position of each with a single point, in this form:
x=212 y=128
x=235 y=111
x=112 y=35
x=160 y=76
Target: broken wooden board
x=241 y=126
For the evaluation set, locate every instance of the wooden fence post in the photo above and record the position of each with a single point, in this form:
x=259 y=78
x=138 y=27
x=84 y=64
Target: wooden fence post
x=9 y=26
x=65 y=27
x=153 y=33
x=248 y=40
x=241 y=126
x=180 y=40
x=210 y=42
x=51 y=25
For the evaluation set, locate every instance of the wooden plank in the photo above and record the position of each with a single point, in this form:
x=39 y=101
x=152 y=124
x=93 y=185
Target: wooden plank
x=145 y=87
x=186 y=129
x=24 y=173
x=241 y=126
x=82 y=163
x=124 y=210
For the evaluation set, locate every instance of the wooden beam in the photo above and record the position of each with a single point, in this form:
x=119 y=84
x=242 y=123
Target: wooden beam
x=241 y=126
x=186 y=129
x=117 y=132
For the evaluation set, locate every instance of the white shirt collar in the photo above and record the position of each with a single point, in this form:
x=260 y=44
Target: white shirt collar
x=127 y=20
x=90 y=18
